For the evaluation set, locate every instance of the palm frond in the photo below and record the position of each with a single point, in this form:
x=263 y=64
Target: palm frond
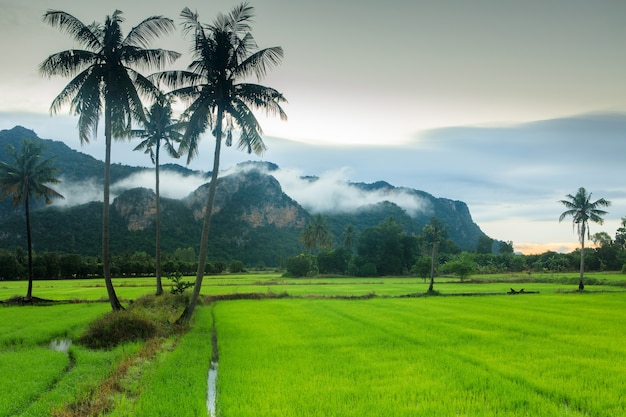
x=250 y=138
x=67 y=63
x=176 y=80
x=238 y=20
x=149 y=58
x=262 y=98
x=148 y=30
x=260 y=62
x=71 y=89
x=83 y=34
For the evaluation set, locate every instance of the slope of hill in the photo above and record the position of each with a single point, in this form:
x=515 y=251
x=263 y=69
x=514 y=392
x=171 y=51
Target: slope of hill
x=254 y=220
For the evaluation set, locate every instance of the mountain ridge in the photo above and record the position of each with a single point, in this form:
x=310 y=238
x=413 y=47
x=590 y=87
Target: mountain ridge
x=251 y=211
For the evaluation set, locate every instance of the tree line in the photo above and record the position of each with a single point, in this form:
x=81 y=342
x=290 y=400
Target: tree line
x=53 y=265
x=387 y=249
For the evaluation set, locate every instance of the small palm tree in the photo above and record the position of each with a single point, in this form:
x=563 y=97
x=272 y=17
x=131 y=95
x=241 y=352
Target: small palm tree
x=582 y=210
x=105 y=81
x=316 y=234
x=26 y=179
x=348 y=237
x=434 y=234
x=159 y=128
x=224 y=54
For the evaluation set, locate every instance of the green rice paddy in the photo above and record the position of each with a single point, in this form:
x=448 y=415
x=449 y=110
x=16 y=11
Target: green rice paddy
x=554 y=355
x=337 y=347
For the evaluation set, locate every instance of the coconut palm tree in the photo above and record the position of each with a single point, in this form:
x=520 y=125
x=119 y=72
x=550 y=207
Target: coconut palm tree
x=434 y=233
x=224 y=55
x=105 y=81
x=26 y=179
x=582 y=210
x=348 y=236
x=159 y=128
x=316 y=234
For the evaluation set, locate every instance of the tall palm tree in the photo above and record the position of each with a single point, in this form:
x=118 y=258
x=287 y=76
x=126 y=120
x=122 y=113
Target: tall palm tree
x=224 y=55
x=582 y=210
x=105 y=81
x=159 y=127
x=26 y=179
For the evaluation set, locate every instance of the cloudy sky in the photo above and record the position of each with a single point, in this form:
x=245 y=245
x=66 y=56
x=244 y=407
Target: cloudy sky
x=505 y=105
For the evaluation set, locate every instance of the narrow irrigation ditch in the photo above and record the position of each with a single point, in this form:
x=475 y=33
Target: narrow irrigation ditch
x=211 y=398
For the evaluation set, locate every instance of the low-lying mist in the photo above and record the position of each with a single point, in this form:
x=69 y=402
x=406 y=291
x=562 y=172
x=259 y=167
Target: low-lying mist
x=332 y=192
x=172 y=185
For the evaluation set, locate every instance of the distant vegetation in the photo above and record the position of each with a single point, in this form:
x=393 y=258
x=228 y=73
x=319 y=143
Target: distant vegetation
x=380 y=250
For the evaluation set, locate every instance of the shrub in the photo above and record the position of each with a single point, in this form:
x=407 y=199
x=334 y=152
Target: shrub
x=235 y=267
x=368 y=270
x=178 y=285
x=298 y=266
x=118 y=327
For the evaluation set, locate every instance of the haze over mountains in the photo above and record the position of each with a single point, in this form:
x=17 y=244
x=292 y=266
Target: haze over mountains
x=258 y=204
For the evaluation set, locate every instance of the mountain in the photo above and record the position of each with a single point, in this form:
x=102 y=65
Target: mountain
x=254 y=220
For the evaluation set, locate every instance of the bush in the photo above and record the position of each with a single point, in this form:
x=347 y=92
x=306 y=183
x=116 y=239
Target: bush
x=118 y=327
x=178 y=285
x=235 y=267
x=298 y=266
x=422 y=267
x=368 y=270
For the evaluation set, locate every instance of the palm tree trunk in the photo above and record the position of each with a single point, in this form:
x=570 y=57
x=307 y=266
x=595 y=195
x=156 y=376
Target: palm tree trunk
x=106 y=255
x=581 y=283
x=206 y=226
x=432 y=268
x=159 y=285
x=29 y=292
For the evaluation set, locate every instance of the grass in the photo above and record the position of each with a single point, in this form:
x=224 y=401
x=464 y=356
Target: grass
x=134 y=288
x=175 y=384
x=468 y=356
x=38 y=380
x=556 y=353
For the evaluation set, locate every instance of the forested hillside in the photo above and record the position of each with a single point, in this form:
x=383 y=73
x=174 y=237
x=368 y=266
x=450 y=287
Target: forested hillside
x=254 y=220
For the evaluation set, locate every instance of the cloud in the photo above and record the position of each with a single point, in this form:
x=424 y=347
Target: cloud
x=331 y=192
x=77 y=193
x=171 y=184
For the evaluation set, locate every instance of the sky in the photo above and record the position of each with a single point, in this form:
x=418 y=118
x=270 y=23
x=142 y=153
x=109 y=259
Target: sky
x=505 y=105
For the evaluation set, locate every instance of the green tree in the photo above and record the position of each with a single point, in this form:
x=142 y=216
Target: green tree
x=388 y=247
x=316 y=234
x=105 y=81
x=298 y=266
x=582 y=211
x=26 y=179
x=224 y=55
x=159 y=128
x=348 y=237
x=484 y=245
x=620 y=234
x=434 y=234
x=462 y=265
x=505 y=248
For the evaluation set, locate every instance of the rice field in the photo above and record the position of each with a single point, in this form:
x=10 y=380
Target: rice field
x=553 y=353
x=132 y=288
x=37 y=380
